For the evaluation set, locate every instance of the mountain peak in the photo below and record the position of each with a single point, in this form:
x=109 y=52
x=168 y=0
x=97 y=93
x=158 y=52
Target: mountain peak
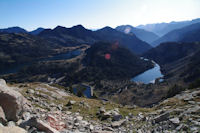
x=59 y=27
x=78 y=27
x=37 y=31
x=107 y=28
x=15 y=29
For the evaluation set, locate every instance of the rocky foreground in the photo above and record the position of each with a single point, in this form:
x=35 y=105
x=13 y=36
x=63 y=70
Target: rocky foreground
x=44 y=108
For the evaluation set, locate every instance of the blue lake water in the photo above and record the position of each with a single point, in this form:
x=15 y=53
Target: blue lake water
x=17 y=67
x=87 y=92
x=149 y=76
x=63 y=56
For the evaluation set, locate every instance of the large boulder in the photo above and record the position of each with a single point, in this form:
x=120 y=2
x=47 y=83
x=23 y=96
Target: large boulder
x=13 y=129
x=117 y=124
x=2 y=116
x=12 y=102
x=162 y=117
x=113 y=114
x=40 y=125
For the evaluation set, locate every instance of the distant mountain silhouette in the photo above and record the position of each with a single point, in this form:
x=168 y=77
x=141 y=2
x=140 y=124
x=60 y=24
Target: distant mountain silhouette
x=172 y=51
x=163 y=28
x=37 y=31
x=192 y=36
x=69 y=36
x=13 y=30
x=189 y=33
x=79 y=35
x=129 y=41
x=140 y=33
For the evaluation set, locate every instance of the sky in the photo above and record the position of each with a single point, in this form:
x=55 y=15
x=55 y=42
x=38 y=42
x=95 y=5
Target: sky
x=94 y=14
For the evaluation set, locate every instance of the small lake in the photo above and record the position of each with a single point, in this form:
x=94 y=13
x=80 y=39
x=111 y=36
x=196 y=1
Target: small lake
x=85 y=90
x=63 y=56
x=150 y=75
x=17 y=67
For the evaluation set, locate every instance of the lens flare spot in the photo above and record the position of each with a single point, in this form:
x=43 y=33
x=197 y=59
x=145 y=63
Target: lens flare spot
x=115 y=45
x=107 y=56
x=127 y=30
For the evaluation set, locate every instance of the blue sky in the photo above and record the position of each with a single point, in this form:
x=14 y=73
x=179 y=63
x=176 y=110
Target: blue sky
x=31 y=14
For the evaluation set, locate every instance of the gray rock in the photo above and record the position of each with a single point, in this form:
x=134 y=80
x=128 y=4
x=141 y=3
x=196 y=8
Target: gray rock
x=11 y=124
x=117 y=124
x=84 y=123
x=102 y=110
x=141 y=116
x=71 y=103
x=196 y=123
x=26 y=116
x=108 y=129
x=193 y=110
x=31 y=91
x=68 y=112
x=191 y=102
x=2 y=116
x=117 y=117
x=175 y=121
x=40 y=125
x=194 y=129
x=162 y=117
x=91 y=127
x=13 y=129
x=1 y=125
x=12 y=102
x=76 y=124
x=85 y=104
x=79 y=118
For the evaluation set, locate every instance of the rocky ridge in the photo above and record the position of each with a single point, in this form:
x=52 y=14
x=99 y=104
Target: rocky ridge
x=52 y=109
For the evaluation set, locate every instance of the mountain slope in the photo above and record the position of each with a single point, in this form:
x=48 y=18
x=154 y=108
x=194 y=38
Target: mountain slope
x=163 y=28
x=192 y=36
x=37 y=31
x=187 y=34
x=111 y=61
x=22 y=48
x=13 y=30
x=175 y=51
x=91 y=114
x=192 y=72
x=140 y=33
x=79 y=35
x=69 y=36
x=180 y=63
x=129 y=41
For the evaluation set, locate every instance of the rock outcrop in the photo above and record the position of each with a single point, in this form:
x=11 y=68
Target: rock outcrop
x=68 y=113
x=2 y=116
x=13 y=129
x=12 y=102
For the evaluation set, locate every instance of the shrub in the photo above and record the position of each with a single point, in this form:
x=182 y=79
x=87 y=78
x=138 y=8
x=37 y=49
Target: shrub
x=195 y=84
x=176 y=89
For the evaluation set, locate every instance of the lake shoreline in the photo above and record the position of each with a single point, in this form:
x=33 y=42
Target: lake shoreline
x=150 y=75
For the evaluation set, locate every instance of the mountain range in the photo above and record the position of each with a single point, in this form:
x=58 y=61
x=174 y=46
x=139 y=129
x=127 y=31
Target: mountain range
x=143 y=35
x=179 y=61
x=162 y=28
x=37 y=31
x=129 y=41
x=79 y=35
x=21 y=30
x=189 y=33
x=19 y=48
x=13 y=30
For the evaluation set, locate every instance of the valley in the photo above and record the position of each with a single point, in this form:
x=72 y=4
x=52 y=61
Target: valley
x=143 y=79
